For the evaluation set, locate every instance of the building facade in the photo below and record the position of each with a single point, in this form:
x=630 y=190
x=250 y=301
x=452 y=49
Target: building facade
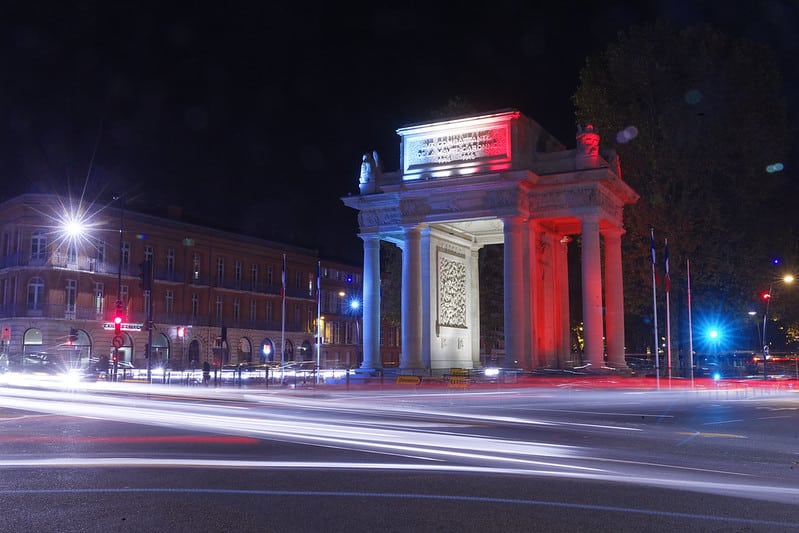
x=214 y=296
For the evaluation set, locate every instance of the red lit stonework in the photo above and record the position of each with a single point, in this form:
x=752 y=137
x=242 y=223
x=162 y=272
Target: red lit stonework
x=497 y=178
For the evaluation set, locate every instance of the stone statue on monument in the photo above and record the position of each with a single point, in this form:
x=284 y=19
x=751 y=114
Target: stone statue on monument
x=370 y=171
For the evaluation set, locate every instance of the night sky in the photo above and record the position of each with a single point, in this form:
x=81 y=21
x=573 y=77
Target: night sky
x=254 y=119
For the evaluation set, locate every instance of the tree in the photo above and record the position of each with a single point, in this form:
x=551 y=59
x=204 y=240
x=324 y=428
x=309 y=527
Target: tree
x=390 y=283
x=695 y=117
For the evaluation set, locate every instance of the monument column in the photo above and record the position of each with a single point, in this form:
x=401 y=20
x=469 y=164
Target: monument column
x=592 y=292
x=514 y=294
x=614 y=298
x=563 y=333
x=411 y=300
x=535 y=293
x=371 y=302
x=474 y=290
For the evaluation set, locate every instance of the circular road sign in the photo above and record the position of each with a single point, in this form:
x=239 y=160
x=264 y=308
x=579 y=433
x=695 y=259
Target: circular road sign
x=118 y=341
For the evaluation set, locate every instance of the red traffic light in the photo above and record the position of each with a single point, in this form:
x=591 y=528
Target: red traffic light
x=118 y=324
x=765 y=295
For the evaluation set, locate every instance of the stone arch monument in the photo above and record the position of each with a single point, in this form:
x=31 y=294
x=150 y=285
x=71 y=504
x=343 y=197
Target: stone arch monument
x=489 y=179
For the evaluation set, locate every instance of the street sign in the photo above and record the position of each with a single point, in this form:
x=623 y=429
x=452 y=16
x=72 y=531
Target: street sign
x=125 y=326
x=118 y=341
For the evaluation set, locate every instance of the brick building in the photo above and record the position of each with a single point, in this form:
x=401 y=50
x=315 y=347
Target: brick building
x=215 y=295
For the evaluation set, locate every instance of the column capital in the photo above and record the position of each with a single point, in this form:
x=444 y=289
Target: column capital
x=589 y=218
x=613 y=231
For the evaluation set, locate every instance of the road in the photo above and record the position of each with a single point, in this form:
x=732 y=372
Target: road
x=126 y=457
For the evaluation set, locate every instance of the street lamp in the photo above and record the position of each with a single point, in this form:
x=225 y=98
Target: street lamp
x=768 y=297
x=76 y=225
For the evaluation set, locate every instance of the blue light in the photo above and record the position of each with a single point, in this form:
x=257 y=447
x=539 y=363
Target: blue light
x=716 y=376
x=355 y=304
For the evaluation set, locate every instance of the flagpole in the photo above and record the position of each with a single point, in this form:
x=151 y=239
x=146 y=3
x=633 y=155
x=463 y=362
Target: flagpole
x=318 y=320
x=655 y=306
x=690 y=330
x=667 y=283
x=283 y=317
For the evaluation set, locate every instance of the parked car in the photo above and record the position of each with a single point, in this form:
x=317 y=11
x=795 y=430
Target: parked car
x=33 y=363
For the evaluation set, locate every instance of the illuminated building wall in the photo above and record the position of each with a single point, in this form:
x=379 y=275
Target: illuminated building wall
x=203 y=279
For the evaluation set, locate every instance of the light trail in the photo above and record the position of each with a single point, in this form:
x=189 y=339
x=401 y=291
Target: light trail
x=425 y=450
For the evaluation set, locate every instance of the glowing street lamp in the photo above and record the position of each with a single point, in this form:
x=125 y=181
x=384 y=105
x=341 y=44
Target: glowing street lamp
x=768 y=296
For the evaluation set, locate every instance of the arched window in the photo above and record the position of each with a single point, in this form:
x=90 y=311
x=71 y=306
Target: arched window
x=267 y=351
x=36 y=294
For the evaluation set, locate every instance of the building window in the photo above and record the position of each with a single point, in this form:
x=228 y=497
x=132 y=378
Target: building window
x=170 y=302
x=253 y=310
x=297 y=314
x=35 y=294
x=99 y=256
x=298 y=280
x=72 y=253
x=148 y=253
x=220 y=270
x=254 y=275
x=219 y=302
x=126 y=256
x=123 y=291
x=268 y=311
x=237 y=271
x=195 y=305
x=196 y=266
x=236 y=309
x=270 y=271
x=38 y=246
x=98 y=299
x=70 y=296
x=170 y=262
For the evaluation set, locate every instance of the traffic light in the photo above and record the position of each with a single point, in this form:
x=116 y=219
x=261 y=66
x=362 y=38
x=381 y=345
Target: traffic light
x=765 y=295
x=146 y=274
x=119 y=317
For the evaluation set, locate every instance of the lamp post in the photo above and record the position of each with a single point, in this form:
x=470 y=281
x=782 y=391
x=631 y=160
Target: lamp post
x=768 y=297
x=119 y=305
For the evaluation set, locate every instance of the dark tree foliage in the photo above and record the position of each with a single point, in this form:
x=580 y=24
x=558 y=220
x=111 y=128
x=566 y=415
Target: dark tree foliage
x=492 y=296
x=708 y=117
x=390 y=283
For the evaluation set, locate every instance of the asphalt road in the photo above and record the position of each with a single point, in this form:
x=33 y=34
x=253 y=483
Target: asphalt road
x=148 y=458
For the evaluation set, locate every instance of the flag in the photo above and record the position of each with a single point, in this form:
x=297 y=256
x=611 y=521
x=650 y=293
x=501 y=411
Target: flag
x=283 y=279
x=652 y=243
x=667 y=279
x=655 y=273
x=318 y=282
